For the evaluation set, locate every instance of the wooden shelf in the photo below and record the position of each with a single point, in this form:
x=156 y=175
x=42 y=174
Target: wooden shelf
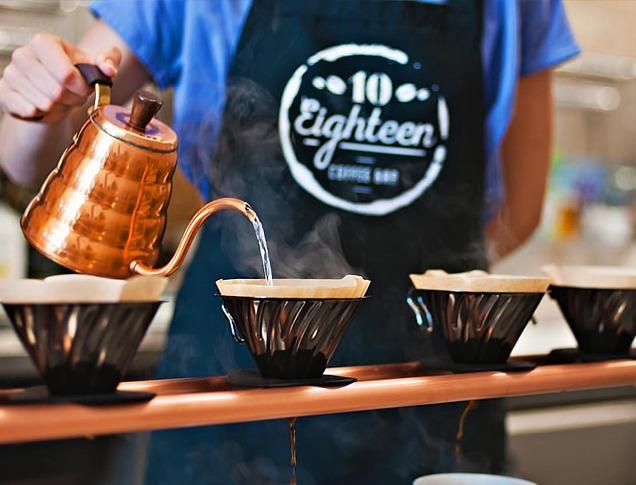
x=208 y=401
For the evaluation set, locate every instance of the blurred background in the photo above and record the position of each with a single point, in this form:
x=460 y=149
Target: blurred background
x=590 y=218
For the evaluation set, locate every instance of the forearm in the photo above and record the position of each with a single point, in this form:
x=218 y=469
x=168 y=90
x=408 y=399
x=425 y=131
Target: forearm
x=30 y=150
x=526 y=152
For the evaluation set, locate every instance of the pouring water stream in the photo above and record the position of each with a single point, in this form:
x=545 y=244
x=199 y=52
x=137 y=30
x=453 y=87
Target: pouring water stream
x=262 y=245
x=267 y=272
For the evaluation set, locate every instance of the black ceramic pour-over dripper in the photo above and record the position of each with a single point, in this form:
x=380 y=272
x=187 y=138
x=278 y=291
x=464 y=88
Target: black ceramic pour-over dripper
x=81 y=348
x=603 y=321
x=290 y=338
x=479 y=328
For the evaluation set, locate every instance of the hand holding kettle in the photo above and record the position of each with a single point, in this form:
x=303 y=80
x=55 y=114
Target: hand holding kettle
x=41 y=82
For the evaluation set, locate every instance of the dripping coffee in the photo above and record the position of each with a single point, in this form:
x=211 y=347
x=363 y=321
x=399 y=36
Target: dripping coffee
x=291 y=424
x=461 y=425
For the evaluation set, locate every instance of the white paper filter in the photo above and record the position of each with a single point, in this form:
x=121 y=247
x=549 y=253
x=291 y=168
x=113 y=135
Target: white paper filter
x=594 y=277
x=76 y=288
x=350 y=286
x=479 y=282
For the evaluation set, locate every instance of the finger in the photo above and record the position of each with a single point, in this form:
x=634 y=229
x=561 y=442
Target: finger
x=108 y=61
x=43 y=80
x=14 y=103
x=19 y=83
x=58 y=58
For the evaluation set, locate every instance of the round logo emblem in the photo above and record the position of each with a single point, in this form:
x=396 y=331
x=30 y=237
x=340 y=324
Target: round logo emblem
x=364 y=128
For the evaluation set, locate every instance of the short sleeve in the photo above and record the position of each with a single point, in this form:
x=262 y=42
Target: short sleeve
x=152 y=29
x=546 y=38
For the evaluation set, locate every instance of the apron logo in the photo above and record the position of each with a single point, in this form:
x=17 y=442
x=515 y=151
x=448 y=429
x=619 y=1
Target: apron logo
x=363 y=128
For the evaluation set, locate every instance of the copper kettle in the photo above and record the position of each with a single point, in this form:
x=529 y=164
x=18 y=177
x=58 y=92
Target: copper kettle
x=102 y=210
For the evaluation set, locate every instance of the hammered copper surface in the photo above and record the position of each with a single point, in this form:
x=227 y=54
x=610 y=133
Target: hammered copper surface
x=603 y=321
x=81 y=348
x=102 y=210
x=290 y=338
x=479 y=328
x=103 y=207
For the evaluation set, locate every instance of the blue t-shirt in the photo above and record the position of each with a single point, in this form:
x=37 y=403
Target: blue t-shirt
x=189 y=45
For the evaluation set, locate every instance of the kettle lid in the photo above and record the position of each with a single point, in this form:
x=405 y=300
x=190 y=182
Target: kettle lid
x=137 y=126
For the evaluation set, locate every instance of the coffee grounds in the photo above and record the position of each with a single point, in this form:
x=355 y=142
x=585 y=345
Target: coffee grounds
x=289 y=364
x=81 y=378
x=479 y=351
x=608 y=342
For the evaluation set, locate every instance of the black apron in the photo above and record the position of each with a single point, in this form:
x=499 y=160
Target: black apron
x=355 y=130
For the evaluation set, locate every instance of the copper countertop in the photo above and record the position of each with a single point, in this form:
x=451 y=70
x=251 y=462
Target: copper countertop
x=208 y=401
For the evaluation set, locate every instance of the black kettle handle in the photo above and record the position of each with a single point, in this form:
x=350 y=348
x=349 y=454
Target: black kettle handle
x=93 y=74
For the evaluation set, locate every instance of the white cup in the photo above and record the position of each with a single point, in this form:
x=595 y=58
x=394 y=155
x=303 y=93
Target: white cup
x=469 y=479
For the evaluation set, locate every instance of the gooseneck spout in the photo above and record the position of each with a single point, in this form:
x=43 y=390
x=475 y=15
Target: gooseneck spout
x=209 y=209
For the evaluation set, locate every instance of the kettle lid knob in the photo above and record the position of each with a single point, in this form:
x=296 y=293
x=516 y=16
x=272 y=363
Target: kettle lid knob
x=145 y=106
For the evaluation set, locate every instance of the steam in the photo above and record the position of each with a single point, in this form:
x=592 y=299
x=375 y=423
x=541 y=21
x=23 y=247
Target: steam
x=248 y=142
x=247 y=164
x=500 y=237
x=318 y=255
